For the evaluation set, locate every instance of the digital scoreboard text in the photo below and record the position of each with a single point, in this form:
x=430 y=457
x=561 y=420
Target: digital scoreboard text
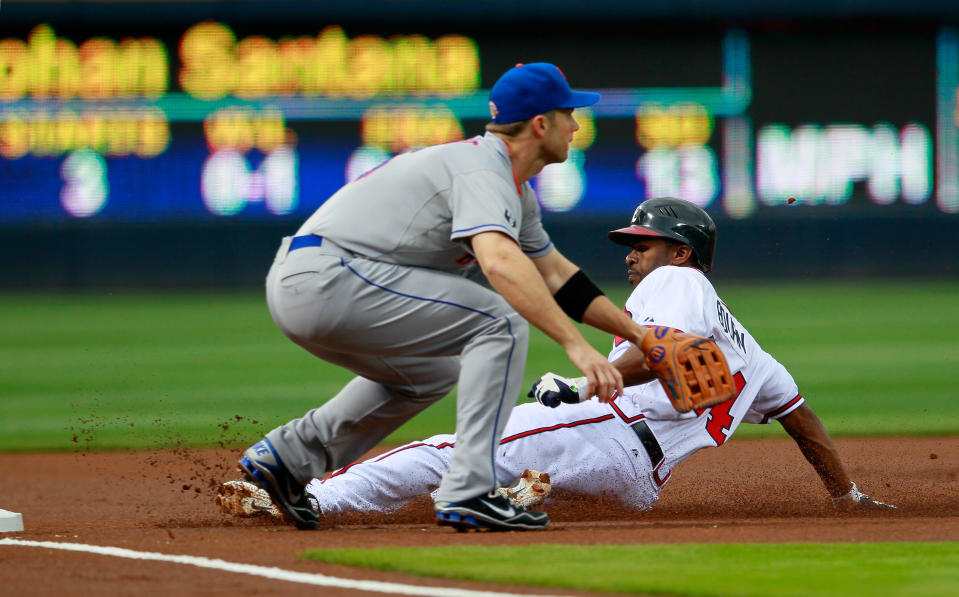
x=208 y=120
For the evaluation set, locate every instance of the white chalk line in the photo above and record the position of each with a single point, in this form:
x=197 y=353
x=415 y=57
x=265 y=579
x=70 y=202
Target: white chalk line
x=271 y=572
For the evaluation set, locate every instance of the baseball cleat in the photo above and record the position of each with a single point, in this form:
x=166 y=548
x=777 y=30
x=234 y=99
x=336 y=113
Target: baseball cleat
x=529 y=489
x=491 y=511
x=262 y=465
x=242 y=498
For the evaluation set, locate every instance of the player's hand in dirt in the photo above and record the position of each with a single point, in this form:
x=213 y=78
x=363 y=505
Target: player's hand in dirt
x=857 y=500
x=603 y=379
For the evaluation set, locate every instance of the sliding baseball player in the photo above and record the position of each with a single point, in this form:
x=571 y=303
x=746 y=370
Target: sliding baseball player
x=627 y=447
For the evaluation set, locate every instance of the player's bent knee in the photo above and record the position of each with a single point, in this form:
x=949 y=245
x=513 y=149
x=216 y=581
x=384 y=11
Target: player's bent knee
x=432 y=391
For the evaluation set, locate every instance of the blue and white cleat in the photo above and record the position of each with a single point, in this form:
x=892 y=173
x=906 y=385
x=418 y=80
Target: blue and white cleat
x=262 y=465
x=491 y=511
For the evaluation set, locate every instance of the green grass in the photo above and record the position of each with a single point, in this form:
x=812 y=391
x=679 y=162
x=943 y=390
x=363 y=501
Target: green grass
x=723 y=570
x=143 y=371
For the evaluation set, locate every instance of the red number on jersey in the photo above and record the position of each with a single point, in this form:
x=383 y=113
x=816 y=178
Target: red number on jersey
x=719 y=420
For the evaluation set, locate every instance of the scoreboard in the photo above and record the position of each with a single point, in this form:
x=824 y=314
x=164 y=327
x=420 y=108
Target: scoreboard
x=133 y=122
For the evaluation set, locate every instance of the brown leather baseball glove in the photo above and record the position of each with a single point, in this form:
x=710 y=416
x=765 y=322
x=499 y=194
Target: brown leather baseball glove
x=691 y=369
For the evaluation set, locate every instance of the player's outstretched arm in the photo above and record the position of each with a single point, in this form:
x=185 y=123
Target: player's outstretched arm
x=518 y=280
x=692 y=370
x=600 y=313
x=817 y=447
x=815 y=444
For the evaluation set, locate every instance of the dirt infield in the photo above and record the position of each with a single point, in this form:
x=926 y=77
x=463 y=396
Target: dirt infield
x=750 y=490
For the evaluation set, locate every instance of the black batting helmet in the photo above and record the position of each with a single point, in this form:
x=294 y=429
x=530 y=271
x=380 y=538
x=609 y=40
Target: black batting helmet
x=672 y=218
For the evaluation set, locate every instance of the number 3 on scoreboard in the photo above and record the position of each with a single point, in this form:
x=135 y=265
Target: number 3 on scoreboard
x=85 y=187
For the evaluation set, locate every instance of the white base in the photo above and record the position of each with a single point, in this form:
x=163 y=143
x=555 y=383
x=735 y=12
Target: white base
x=10 y=522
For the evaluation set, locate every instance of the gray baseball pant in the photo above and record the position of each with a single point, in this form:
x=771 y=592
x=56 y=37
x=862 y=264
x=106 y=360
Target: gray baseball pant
x=410 y=334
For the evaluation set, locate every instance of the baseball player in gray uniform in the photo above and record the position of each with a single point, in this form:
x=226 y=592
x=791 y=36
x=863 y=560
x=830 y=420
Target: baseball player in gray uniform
x=630 y=446
x=372 y=282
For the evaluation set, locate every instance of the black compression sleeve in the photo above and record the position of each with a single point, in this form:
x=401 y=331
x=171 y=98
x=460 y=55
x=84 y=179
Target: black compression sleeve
x=576 y=294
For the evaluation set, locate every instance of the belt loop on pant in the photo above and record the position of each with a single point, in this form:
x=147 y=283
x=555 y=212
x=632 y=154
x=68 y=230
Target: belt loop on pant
x=650 y=444
x=307 y=240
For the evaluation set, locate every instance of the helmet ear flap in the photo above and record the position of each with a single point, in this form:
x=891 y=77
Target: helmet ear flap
x=702 y=239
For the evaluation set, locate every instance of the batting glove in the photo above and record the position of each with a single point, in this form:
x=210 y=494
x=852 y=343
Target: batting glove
x=857 y=499
x=551 y=389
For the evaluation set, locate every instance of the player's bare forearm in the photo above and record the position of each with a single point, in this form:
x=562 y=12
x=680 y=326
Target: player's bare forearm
x=604 y=315
x=817 y=447
x=514 y=276
x=555 y=269
x=632 y=366
x=517 y=279
x=601 y=313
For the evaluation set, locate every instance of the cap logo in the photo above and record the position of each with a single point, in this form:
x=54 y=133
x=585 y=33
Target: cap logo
x=493 y=110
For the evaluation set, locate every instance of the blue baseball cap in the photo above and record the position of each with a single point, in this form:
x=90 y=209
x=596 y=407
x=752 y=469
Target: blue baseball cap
x=535 y=88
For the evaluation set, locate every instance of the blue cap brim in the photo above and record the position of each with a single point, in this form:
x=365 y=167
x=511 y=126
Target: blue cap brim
x=580 y=99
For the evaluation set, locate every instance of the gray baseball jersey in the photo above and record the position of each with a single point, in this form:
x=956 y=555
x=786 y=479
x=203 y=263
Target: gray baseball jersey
x=421 y=207
x=380 y=295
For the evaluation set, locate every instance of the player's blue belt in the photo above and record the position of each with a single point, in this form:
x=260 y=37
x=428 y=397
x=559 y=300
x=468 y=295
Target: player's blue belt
x=308 y=240
x=646 y=437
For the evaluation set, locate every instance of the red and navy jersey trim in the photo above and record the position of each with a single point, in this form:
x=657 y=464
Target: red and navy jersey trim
x=782 y=409
x=623 y=416
x=539 y=430
x=396 y=451
x=505 y=440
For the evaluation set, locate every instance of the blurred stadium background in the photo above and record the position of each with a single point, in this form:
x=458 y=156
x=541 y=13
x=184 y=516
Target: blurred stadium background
x=152 y=155
x=171 y=144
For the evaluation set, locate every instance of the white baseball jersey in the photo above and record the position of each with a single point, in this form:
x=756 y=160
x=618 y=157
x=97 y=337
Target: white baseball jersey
x=592 y=447
x=421 y=207
x=682 y=298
